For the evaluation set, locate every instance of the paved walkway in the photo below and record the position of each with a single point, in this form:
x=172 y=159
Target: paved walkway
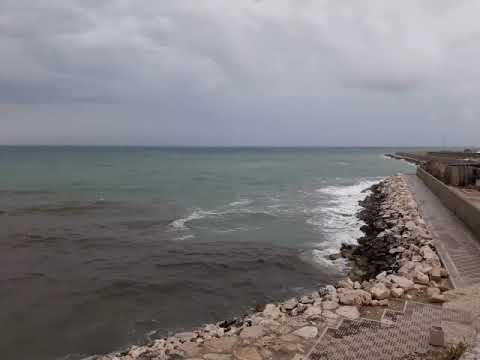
x=458 y=247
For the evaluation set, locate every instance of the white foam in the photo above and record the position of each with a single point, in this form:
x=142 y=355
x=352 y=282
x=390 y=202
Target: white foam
x=336 y=217
x=181 y=224
x=241 y=202
x=184 y=237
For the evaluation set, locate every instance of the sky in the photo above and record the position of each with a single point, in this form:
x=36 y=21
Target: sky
x=256 y=72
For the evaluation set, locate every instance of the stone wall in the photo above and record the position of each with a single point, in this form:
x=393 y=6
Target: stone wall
x=454 y=201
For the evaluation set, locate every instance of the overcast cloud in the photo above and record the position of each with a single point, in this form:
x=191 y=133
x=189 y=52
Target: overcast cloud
x=217 y=72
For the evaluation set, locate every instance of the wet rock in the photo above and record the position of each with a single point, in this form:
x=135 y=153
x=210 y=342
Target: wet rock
x=334 y=257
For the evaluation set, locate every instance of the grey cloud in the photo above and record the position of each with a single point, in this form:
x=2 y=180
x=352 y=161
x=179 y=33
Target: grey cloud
x=239 y=68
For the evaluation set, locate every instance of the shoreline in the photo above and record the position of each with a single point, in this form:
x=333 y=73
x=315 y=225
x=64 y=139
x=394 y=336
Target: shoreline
x=395 y=259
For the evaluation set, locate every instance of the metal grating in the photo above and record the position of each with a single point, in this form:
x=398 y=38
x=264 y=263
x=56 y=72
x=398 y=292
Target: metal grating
x=400 y=336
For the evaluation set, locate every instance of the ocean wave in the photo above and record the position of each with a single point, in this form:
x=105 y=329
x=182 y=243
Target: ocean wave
x=219 y=219
x=184 y=237
x=241 y=202
x=180 y=224
x=336 y=216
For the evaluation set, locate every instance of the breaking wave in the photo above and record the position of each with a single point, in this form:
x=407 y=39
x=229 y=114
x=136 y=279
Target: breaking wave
x=335 y=216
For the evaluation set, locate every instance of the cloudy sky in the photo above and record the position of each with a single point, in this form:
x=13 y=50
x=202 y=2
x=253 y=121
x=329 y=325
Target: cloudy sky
x=244 y=72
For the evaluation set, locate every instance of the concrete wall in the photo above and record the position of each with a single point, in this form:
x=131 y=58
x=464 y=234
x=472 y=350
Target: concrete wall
x=453 y=200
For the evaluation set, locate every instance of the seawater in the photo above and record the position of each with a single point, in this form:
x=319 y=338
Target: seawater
x=105 y=246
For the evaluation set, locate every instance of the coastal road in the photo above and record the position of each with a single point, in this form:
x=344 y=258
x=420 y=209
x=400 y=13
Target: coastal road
x=458 y=247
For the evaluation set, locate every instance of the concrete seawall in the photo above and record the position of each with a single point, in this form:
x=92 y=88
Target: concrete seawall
x=454 y=201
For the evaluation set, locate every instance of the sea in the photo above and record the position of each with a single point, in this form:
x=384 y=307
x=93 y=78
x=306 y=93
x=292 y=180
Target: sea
x=102 y=247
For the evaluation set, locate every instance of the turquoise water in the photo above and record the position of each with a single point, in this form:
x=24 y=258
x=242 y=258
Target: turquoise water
x=100 y=243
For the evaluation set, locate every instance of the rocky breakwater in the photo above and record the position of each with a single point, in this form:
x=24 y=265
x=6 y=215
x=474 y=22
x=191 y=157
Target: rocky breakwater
x=397 y=255
x=395 y=259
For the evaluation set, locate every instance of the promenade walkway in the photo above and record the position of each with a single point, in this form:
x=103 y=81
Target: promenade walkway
x=458 y=247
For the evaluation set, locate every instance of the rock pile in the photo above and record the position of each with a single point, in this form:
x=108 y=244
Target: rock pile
x=396 y=256
x=394 y=259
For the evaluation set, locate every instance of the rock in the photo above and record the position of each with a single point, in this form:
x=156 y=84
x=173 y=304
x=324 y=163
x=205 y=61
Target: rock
x=436 y=273
x=299 y=357
x=271 y=311
x=406 y=268
x=137 y=351
x=421 y=278
x=307 y=300
x=187 y=336
x=269 y=323
x=397 y=292
x=290 y=304
x=438 y=299
x=353 y=297
x=443 y=285
x=247 y=353
x=380 y=291
x=329 y=305
x=217 y=357
x=190 y=349
x=327 y=314
x=349 y=312
x=307 y=332
x=221 y=345
x=429 y=255
x=252 y=332
x=335 y=256
x=431 y=291
x=313 y=310
x=424 y=268
x=383 y=302
x=346 y=283
x=300 y=309
x=401 y=281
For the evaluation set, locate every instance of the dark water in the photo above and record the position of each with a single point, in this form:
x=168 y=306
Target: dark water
x=101 y=246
